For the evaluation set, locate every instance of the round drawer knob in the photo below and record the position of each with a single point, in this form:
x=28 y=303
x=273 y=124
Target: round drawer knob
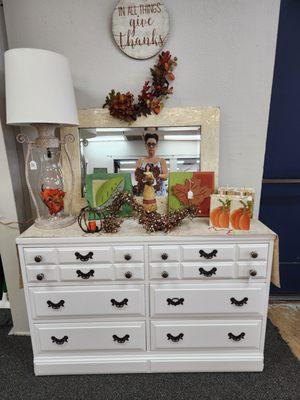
x=164 y=256
x=254 y=254
x=40 y=277
x=38 y=259
x=128 y=274
x=127 y=257
x=165 y=274
x=252 y=272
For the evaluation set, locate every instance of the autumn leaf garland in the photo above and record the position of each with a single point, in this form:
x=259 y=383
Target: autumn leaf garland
x=150 y=100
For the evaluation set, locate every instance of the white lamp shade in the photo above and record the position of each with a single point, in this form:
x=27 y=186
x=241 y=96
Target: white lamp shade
x=39 y=88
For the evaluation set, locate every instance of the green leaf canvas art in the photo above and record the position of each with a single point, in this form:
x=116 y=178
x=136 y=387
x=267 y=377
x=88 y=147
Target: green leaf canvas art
x=101 y=187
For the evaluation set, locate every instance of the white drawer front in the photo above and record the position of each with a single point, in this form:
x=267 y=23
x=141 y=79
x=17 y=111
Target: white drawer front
x=205 y=334
x=164 y=253
x=92 y=336
x=165 y=271
x=86 y=273
x=249 y=252
x=245 y=269
x=208 y=271
x=42 y=274
x=205 y=299
x=130 y=272
x=115 y=300
x=84 y=255
x=208 y=252
x=40 y=256
x=128 y=254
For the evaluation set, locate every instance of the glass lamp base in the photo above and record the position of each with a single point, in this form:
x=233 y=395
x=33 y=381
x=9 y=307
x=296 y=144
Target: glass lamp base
x=54 y=223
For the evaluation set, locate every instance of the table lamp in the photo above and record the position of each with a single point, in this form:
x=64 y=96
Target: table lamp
x=39 y=93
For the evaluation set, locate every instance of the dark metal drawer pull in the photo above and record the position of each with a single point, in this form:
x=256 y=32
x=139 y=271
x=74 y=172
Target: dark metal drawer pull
x=85 y=275
x=239 y=303
x=59 y=341
x=208 y=273
x=56 y=306
x=175 y=301
x=83 y=258
x=122 y=339
x=119 y=304
x=236 y=338
x=208 y=256
x=175 y=338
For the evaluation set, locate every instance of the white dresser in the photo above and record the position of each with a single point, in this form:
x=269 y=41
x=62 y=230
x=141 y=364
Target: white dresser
x=190 y=300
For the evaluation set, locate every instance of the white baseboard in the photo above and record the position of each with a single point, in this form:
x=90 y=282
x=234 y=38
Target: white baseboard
x=4 y=303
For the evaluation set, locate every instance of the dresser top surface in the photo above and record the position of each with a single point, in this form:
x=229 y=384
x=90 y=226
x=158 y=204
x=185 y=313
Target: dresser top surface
x=130 y=229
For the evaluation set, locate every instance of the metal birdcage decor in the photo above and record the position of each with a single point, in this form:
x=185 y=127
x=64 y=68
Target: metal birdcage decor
x=90 y=220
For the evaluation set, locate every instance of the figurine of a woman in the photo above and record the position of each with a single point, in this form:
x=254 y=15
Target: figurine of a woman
x=149 y=200
x=159 y=167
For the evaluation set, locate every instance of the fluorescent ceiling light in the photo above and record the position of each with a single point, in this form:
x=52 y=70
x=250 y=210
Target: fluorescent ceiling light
x=113 y=129
x=180 y=162
x=179 y=128
x=127 y=169
x=127 y=162
x=117 y=138
x=182 y=137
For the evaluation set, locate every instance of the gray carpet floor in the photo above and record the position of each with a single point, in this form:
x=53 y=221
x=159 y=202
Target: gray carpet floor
x=279 y=381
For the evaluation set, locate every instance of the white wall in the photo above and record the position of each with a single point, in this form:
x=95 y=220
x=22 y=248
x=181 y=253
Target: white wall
x=12 y=204
x=226 y=54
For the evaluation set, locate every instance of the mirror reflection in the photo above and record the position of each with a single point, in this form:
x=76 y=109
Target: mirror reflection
x=145 y=153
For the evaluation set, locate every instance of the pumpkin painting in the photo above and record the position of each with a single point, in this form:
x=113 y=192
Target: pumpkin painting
x=219 y=216
x=240 y=217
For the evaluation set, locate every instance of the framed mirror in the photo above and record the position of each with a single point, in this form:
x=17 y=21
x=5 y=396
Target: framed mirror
x=178 y=139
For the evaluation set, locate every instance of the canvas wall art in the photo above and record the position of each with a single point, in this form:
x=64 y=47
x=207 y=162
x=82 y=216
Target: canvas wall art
x=191 y=188
x=101 y=188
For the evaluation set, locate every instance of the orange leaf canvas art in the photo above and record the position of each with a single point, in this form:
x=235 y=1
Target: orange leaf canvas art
x=191 y=189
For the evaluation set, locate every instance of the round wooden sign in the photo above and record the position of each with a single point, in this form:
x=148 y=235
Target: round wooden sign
x=140 y=27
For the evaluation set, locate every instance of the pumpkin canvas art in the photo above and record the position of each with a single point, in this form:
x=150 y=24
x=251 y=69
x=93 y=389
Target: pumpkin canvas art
x=191 y=189
x=240 y=213
x=101 y=188
x=220 y=212
x=231 y=212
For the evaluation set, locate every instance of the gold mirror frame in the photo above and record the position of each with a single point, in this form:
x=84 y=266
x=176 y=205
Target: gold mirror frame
x=208 y=118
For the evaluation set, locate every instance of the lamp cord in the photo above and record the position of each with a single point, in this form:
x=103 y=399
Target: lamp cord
x=9 y=223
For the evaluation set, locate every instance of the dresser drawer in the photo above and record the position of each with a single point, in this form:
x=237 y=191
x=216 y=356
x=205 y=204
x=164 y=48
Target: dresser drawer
x=129 y=272
x=247 y=269
x=92 y=336
x=205 y=299
x=42 y=274
x=128 y=254
x=249 y=252
x=84 y=273
x=84 y=255
x=111 y=300
x=208 y=252
x=164 y=253
x=205 y=334
x=208 y=271
x=164 y=271
x=40 y=256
